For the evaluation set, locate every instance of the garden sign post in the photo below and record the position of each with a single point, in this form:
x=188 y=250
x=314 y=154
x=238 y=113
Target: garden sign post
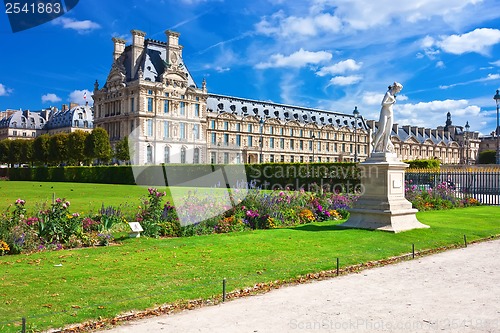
x=382 y=205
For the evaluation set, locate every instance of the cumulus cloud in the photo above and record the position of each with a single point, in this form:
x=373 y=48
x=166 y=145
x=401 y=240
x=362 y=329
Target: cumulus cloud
x=50 y=98
x=496 y=63
x=281 y=25
x=77 y=96
x=479 y=41
x=82 y=27
x=345 y=80
x=457 y=107
x=298 y=59
x=340 y=67
x=4 y=91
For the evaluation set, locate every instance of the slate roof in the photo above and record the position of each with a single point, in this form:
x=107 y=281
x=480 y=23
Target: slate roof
x=267 y=110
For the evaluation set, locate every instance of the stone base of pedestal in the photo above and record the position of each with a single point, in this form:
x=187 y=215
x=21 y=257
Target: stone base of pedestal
x=383 y=205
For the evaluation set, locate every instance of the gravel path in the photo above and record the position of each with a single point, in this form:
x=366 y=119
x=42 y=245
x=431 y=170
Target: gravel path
x=453 y=291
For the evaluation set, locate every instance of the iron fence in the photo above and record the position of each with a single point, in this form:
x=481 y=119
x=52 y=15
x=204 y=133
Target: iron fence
x=481 y=184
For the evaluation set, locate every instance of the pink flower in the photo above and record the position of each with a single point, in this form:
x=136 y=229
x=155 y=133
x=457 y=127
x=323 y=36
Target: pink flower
x=58 y=200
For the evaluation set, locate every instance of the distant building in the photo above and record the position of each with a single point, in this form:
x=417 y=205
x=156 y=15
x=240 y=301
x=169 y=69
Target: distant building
x=19 y=124
x=450 y=144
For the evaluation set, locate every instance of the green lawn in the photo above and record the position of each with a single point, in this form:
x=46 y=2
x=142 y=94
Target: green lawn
x=84 y=198
x=142 y=273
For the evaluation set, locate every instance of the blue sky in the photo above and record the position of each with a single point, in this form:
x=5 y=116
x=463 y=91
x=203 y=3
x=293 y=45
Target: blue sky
x=328 y=54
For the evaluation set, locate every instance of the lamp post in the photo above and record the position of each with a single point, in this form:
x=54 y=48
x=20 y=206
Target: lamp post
x=467 y=127
x=313 y=138
x=497 y=130
x=356 y=114
x=261 y=141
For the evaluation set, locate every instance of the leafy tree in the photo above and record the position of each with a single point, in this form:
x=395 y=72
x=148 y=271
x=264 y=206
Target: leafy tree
x=15 y=152
x=41 y=149
x=58 y=148
x=4 y=151
x=487 y=157
x=122 y=152
x=26 y=151
x=76 y=147
x=97 y=145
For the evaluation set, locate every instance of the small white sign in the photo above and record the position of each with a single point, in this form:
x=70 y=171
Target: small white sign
x=135 y=226
x=396 y=183
x=136 y=229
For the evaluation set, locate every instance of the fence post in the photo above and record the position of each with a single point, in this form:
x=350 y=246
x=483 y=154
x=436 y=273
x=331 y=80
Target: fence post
x=338 y=267
x=465 y=240
x=224 y=290
x=24 y=325
x=413 y=250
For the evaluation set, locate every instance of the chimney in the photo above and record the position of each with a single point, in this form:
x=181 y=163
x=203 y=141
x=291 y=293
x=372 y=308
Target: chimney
x=64 y=107
x=441 y=132
x=434 y=132
x=72 y=105
x=370 y=124
x=137 y=47
x=414 y=130
x=421 y=131
x=173 y=47
x=119 y=47
x=407 y=129
x=428 y=132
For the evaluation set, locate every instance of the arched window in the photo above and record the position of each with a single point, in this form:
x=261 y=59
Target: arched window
x=196 y=157
x=183 y=155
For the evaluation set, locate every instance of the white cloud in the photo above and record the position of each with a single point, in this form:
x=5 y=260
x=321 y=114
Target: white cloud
x=80 y=26
x=346 y=80
x=4 y=91
x=340 y=67
x=372 y=98
x=298 y=59
x=291 y=26
x=220 y=69
x=496 y=63
x=490 y=77
x=440 y=64
x=51 y=98
x=478 y=41
x=428 y=109
x=77 y=97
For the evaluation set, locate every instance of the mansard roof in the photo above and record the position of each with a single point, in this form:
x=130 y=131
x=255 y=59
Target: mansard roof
x=23 y=120
x=153 y=63
x=66 y=118
x=285 y=113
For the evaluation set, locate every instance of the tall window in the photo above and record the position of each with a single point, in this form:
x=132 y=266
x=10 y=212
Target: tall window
x=165 y=106
x=310 y=145
x=167 y=154
x=183 y=155
x=182 y=130
x=292 y=144
x=196 y=131
x=282 y=144
x=271 y=130
x=213 y=138
x=166 y=133
x=226 y=158
x=213 y=157
x=282 y=131
x=238 y=140
x=250 y=128
x=182 y=105
x=250 y=141
x=271 y=143
x=150 y=127
x=196 y=156
x=212 y=124
x=226 y=139
x=238 y=127
x=150 y=104
x=226 y=125
x=301 y=144
x=238 y=158
x=132 y=104
x=291 y=131
x=149 y=154
x=301 y=133
x=197 y=110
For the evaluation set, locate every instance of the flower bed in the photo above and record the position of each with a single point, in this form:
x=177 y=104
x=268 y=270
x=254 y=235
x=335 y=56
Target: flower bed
x=443 y=196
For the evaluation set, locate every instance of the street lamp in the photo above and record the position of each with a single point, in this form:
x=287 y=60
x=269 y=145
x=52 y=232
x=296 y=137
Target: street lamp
x=313 y=137
x=467 y=127
x=261 y=141
x=356 y=114
x=497 y=130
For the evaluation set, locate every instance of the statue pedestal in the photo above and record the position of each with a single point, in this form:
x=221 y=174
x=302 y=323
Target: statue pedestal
x=383 y=205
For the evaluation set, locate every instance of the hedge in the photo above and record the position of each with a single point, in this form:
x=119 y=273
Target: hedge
x=334 y=176
x=424 y=164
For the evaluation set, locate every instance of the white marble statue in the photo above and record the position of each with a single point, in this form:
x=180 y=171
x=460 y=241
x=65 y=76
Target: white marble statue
x=382 y=141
